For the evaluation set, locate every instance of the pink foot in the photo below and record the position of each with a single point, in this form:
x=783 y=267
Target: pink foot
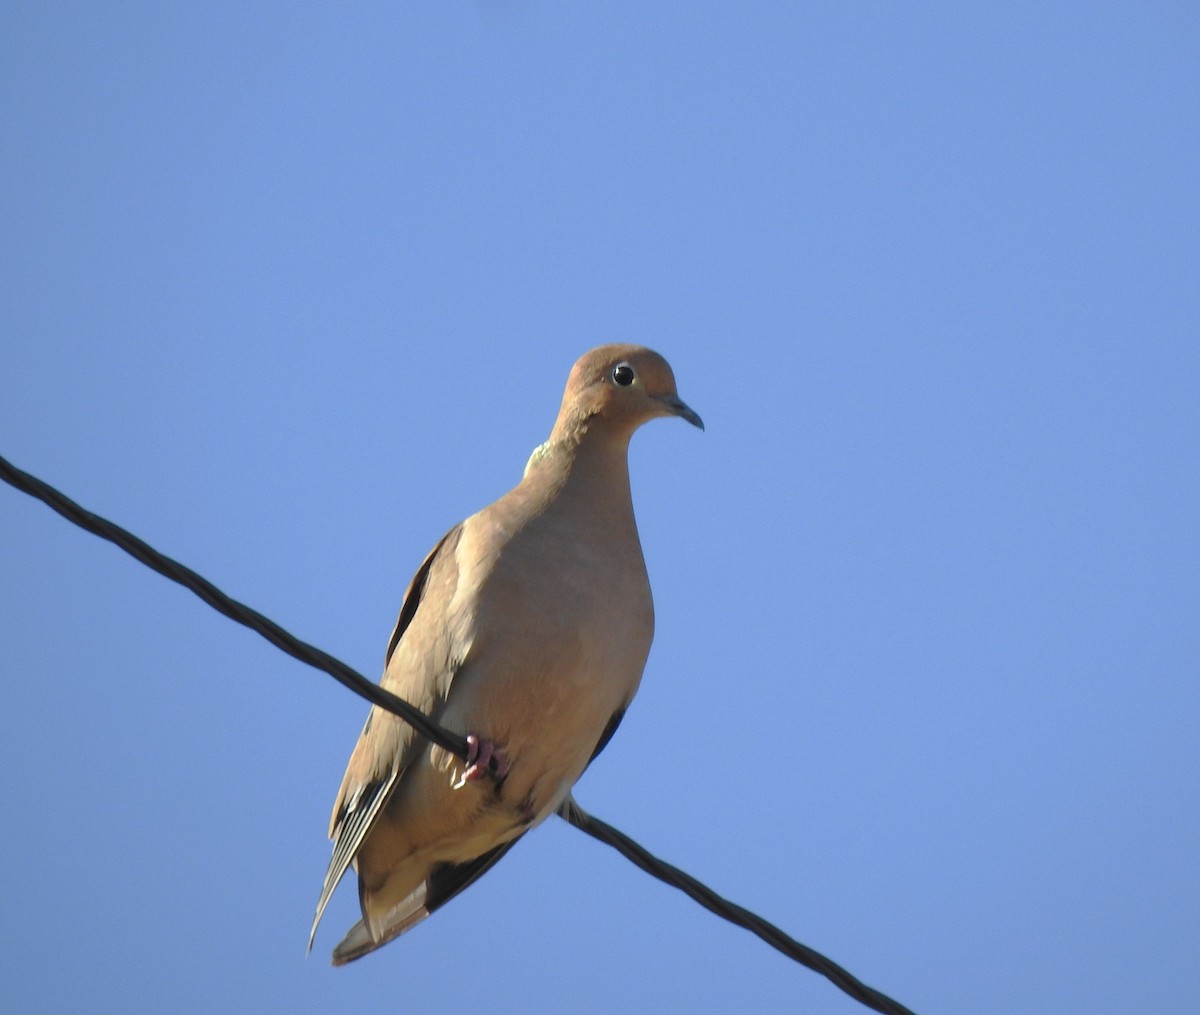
x=482 y=757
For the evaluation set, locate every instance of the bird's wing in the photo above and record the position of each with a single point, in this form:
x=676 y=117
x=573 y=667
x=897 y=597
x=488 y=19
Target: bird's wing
x=387 y=743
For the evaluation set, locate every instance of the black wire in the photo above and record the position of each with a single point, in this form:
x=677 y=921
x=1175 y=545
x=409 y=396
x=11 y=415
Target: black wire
x=360 y=685
x=234 y=610
x=731 y=911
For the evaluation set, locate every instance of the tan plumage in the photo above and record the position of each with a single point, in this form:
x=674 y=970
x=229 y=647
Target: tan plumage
x=528 y=625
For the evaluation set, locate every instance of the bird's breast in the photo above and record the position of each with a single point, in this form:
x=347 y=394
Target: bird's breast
x=562 y=628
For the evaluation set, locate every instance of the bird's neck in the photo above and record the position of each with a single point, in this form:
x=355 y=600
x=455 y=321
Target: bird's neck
x=586 y=463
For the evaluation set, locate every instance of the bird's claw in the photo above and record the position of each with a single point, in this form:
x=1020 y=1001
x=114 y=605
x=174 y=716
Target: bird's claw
x=482 y=757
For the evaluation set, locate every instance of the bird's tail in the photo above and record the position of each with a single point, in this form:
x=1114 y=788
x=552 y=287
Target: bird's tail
x=358 y=942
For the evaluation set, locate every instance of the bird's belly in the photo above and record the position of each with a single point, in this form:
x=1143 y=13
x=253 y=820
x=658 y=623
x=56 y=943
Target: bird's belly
x=550 y=701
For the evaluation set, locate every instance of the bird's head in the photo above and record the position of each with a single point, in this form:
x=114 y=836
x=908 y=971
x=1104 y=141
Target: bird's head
x=620 y=387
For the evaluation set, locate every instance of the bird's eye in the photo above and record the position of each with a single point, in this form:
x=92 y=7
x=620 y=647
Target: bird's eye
x=623 y=374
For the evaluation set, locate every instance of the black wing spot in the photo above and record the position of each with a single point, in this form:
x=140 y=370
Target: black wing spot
x=446 y=880
x=613 y=722
x=416 y=590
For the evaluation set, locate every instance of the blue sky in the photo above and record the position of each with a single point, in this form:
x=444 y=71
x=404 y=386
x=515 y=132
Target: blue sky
x=288 y=290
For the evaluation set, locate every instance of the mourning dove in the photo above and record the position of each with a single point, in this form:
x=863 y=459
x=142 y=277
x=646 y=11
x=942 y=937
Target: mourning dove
x=525 y=629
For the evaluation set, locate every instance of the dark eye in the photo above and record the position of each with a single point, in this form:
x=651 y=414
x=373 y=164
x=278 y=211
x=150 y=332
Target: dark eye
x=623 y=374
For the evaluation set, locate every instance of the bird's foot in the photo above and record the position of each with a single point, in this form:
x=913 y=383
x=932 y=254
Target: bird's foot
x=483 y=756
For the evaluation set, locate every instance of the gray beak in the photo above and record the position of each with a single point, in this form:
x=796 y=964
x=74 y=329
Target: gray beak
x=680 y=408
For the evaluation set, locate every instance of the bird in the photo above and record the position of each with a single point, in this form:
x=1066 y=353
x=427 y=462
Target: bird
x=526 y=629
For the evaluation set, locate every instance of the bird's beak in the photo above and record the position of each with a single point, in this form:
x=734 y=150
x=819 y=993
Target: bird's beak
x=679 y=408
